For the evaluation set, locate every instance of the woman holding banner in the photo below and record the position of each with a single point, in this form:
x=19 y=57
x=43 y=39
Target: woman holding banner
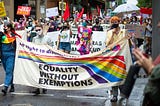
x=113 y=35
x=8 y=48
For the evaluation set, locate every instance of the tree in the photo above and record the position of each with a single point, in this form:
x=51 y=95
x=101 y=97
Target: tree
x=119 y=2
x=144 y=3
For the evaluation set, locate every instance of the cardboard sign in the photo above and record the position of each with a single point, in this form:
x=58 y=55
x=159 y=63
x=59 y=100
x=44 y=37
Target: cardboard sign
x=50 y=12
x=23 y=10
x=2 y=10
x=137 y=30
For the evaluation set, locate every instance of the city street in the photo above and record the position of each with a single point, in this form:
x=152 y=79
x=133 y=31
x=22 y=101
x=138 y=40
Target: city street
x=91 y=97
x=22 y=97
x=79 y=53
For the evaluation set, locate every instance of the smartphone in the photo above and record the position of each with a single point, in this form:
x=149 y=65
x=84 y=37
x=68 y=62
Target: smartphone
x=134 y=42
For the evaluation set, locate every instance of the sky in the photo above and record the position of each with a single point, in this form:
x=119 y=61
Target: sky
x=132 y=1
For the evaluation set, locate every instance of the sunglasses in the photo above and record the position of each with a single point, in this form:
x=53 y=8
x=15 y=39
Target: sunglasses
x=38 y=30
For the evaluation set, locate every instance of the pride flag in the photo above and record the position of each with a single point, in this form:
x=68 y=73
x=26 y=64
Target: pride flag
x=44 y=67
x=6 y=39
x=66 y=13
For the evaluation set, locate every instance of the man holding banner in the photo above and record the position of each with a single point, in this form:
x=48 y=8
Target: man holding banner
x=40 y=39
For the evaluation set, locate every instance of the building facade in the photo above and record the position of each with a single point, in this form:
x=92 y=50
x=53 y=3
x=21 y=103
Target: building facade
x=39 y=6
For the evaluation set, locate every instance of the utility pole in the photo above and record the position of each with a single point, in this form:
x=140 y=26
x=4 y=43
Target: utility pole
x=62 y=8
x=156 y=31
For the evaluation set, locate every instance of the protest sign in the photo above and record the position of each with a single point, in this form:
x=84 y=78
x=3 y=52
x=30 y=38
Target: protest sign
x=23 y=10
x=2 y=9
x=44 y=67
x=50 y=12
x=137 y=30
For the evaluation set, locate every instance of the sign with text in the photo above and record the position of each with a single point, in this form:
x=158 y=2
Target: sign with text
x=23 y=10
x=2 y=10
x=137 y=30
x=98 y=40
x=50 y=12
x=44 y=67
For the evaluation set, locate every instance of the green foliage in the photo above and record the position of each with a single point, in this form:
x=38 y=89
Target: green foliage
x=144 y=3
x=119 y=2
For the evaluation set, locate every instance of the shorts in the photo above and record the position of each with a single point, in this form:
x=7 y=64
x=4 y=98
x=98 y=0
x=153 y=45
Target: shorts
x=66 y=46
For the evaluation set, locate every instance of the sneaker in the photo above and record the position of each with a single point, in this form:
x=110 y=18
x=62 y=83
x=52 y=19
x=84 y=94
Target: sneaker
x=36 y=92
x=12 y=88
x=114 y=99
x=4 y=90
x=44 y=91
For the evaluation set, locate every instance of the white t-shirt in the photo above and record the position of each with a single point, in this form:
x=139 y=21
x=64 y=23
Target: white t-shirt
x=65 y=36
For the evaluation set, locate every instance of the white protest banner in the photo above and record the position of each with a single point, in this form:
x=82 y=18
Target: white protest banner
x=98 y=40
x=44 y=67
x=23 y=34
x=106 y=27
x=50 y=12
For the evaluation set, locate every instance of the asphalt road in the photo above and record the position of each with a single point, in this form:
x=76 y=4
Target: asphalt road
x=91 y=97
x=23 y=97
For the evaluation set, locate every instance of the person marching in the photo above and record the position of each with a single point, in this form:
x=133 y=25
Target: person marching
x=40 y=39
x=64 y=39
x=8 y=48
x=84 y=38
x=114 y=34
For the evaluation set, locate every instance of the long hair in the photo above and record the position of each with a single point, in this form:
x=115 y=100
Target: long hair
x=10 y=25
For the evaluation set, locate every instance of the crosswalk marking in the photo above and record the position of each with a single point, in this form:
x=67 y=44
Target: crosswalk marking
x=29 y=94
x=1 y=85
x=51 y=95
x=89 y=97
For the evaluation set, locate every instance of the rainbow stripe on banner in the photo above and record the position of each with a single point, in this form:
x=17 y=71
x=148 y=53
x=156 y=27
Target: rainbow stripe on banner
x=102 y=68
x=45 y=67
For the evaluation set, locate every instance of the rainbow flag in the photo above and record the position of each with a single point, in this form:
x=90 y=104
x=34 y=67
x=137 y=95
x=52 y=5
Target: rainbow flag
x=66 y=71
x=6 y=39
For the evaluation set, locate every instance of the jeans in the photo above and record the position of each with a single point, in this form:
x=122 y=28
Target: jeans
x=8 y=59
